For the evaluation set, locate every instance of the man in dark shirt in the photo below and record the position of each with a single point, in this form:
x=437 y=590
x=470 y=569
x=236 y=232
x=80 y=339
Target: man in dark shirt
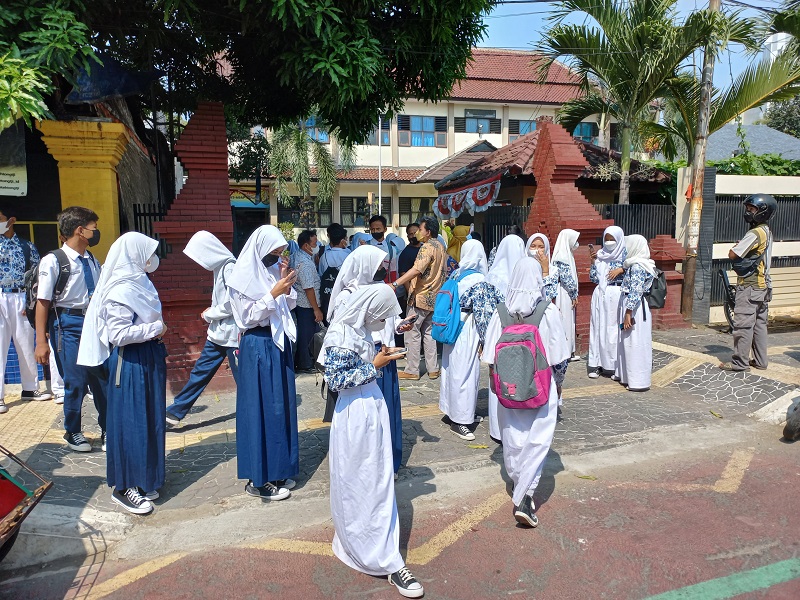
x=407 y=258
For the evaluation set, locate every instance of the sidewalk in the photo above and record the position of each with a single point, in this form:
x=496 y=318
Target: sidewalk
x=688 y=389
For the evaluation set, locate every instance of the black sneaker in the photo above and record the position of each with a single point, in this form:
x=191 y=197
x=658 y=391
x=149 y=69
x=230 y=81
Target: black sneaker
x=77 y=442
x=268 y=491
x=406 y=583
x=286 y=483
x=103 y=439
x=524 y=513
x=132 y=501
x=37 y=395
x=594 y=372
x=172 y=421
x=462 y=431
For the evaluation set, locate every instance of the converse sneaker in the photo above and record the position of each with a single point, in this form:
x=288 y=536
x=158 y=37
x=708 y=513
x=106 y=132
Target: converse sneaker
x=132 y=501
x=36 y=395
x=286 y=483
x=615 y=377
x=172 y=421
x=524 y=512
x=462 y=431
x=574 y=358
x=77 y=442
x=3 y=407
x=594 y=372
x=268 y=491
x=406 y=583
x=103 y=440
x=59 y=399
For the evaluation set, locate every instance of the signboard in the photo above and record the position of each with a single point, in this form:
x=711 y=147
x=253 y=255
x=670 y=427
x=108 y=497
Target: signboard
x=13 y=168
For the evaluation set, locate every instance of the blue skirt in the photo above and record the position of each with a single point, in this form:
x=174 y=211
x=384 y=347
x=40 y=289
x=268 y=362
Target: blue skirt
x=266 y=410
x=135 y=421
x=390 y=387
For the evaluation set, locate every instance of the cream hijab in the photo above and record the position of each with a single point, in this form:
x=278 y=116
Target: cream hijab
x=357 y=269
x=639 y=254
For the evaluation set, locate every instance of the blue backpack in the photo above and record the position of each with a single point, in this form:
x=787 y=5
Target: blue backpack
x=446 y=321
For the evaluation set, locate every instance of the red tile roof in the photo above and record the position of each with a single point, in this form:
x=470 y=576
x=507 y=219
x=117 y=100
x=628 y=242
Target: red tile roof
x=512 y=76
x=460 y=159
x=371 y=174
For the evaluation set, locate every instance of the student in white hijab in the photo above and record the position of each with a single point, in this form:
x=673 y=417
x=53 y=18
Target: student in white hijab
x=510 y=251
x=566 y=273
x=538 y=247
x=363 y=502
x=528 y=433
x=223 y=333
x=606 y=272
x=635 y=359
x=458 y=394
x=262 y=298
x=123 y=325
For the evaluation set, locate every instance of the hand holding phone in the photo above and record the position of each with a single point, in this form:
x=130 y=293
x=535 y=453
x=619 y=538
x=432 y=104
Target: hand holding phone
x=397 y=352
x=405 y=325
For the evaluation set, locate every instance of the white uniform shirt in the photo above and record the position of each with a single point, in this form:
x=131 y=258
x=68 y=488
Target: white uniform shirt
x=332 y=257
x=75 y=294
x=393 y=247
x=125 y=328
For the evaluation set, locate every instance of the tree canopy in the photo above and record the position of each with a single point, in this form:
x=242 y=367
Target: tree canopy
x=274 y=61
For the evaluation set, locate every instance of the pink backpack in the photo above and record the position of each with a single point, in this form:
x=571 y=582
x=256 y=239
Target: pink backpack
x=521 y=376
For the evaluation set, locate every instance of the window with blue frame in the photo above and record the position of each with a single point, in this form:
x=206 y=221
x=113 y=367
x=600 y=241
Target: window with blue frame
x=421 y=131
x=372 y=140
x=315 y=132
x=518 y=127
x=587 y=132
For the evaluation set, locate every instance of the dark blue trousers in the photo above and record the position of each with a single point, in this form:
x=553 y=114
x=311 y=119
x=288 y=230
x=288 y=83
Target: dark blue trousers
x=204 y=370
x=65 y=337
x=306 y=328
x=390 y=386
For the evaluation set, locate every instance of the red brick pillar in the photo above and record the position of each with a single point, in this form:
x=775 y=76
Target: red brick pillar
x=558 y=204
x=667 y=252
x=203 y=203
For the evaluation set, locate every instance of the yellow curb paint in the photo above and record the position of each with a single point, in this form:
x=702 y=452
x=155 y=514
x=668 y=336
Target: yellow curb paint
x=293 y=546
x=677 y=368
x=434 y=546
x=109 y=586
x=732 y=476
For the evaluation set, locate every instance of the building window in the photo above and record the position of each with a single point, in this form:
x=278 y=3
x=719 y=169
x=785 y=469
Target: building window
x=477 y=124
x=517 y=127
x=586 y=132
x=372 y=140
x=356 y=211
x=413 y=209
x=321 y=217
x=316 y=133
x=420 y=131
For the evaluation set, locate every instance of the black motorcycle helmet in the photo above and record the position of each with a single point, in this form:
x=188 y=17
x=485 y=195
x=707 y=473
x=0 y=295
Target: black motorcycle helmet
x=766 y=206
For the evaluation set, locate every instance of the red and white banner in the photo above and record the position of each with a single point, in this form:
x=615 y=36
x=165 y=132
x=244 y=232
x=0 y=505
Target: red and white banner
x=474 y=198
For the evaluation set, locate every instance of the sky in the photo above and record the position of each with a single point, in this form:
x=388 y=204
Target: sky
x=517 y=26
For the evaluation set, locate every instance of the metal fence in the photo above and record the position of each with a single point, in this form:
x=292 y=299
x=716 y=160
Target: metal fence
x=499 y=219
x=729 y=226
x=648 y=220
x=144 y=215
x=718 y=293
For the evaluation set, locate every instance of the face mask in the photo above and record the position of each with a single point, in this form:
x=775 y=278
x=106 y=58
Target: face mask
x=152 y=264
x=420 y=236
x=380 y=274
x=748 y=217
x=375 y=325
x=575 y=246
x=3 y=227
x=269 y=260
x=95 y=239
x=609 y=246
x=534 y=252
x=378 y=236
x=315 y=251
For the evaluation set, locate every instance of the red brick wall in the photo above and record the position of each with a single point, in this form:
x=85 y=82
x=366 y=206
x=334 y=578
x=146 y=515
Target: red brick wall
x=203 y=203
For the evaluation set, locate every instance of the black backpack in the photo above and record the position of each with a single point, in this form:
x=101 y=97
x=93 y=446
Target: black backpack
x=326 y=287
x=32 y=282
x=657 y=295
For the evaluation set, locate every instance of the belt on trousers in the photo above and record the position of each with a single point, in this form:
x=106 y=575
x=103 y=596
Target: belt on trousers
x=614 y=283
x=75 y=312
x=12 y=290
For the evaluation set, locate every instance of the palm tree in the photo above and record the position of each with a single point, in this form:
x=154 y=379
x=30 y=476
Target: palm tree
x=762 y=82
x=627 y=54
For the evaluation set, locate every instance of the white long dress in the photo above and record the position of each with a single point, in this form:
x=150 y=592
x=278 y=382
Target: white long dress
x=461 y=374
x=565 y=308
x=604 y=328
x=363 y=503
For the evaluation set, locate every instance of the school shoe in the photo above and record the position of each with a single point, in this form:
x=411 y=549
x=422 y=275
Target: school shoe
x=574 y=358
x=58 y=399
x=404 y=375
x=77 y=442
x=103 y=441
x=154 y=495
x=268 y=491
x=462 y=431
x=434 y=374
x=172 y=421
x=3 y=407
x=755 y=366
x=406 y=583
x=286 y=483
x=637 y=389
x=615 y=378
x=36 y=395
x=594 y=372
x=524 y=512
x=132 y=501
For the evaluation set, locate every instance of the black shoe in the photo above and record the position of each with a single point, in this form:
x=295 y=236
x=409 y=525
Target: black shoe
x=132 y=501
x=77 y=442
x=103 y=438
x=496 y=441
x=462 y=431
x=286 y=483
x=268 y=491
x=406 y=583
x=304 y=371
x=595 y=372
x=172 y=421
x=559 y=415
x=37 y=395
x=524 y=513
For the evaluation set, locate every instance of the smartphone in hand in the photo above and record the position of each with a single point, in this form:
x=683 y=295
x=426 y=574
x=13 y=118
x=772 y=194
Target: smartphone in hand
x=398 y=353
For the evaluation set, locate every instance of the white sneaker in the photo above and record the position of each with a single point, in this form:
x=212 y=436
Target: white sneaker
x=594 y=373
x=406 y=583
x=58 y=399
x=132 y=501
x=3 y=407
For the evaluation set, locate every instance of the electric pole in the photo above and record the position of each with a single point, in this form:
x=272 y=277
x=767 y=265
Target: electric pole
x=698 y=175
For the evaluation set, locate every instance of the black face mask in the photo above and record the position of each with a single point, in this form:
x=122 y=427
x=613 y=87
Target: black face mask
x=95 y=239
x=380 y=274
x=378 y=237
x=269 y=260
x=748 y=217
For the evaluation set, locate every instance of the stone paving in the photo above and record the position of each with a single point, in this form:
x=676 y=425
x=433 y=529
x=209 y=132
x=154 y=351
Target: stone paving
x=598 y=414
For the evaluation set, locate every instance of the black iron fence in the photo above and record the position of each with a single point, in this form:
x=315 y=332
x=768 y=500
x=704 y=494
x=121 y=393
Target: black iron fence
x=499 y=219
x=648 y=220
x=729 y=226
x=717 y=291
x=144 y=215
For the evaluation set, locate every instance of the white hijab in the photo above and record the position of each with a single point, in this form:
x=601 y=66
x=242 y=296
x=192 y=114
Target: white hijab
x=509 y=252
x=122 y=280
x=252 y=279
x=544 y=239
x=563 y=251
x=605 y=258
x=357 y=269
x=348 y=330
x=473 y=258
x=211 y=254
x=639 y=254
